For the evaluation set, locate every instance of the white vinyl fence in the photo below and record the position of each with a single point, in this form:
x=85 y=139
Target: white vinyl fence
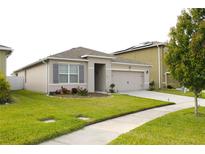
x=16 y=83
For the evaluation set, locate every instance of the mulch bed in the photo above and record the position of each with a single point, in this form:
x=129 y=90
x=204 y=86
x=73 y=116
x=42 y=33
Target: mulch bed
x=90 y=95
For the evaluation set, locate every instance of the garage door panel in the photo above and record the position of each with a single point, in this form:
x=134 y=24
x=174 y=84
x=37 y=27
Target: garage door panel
x=128 y=81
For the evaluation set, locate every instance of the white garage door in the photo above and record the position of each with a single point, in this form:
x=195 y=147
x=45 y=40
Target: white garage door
x=128 y=81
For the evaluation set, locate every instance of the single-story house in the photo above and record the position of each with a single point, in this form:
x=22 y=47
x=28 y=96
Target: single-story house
x=87 y=68
x=4 y=53
x=152 y=53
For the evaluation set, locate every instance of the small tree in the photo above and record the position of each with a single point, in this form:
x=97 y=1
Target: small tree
x=5 y=96
x=186 y=51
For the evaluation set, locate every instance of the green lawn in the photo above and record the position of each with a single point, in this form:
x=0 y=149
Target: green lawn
x=20 y=122
x=177 y=92
x=180 y=127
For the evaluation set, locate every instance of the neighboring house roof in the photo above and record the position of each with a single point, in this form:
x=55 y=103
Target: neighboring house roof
x=80 y=54
x=5 y=48
x=141 y=46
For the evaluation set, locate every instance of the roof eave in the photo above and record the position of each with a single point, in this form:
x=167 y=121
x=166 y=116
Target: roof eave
x=30 y=65
x=145 y=47
x=70 y=59
x=8 y=50
x=134 y=64
x=47 y=58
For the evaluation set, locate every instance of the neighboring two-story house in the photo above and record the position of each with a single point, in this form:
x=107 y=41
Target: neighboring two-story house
x=152 y=53
x=4 y=53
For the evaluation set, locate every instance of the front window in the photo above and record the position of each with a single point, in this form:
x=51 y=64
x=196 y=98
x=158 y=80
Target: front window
x=74 y=73
x=68 y=73
x=63 y=73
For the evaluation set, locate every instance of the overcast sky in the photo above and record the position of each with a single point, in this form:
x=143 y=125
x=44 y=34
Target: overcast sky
x=38 y=28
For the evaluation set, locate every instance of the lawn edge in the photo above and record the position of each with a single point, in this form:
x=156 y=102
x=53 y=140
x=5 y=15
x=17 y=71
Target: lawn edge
x=101 y=120
x=200 y=97
x=167 y=114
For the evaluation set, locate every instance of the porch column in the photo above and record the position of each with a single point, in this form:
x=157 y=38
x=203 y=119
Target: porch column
x=91 y=77
x=108 y=79
x=146 y=79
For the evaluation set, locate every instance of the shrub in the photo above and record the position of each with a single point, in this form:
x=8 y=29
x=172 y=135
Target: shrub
x=58 y=91
x=62 y=91
x=5 y=95
x=112 y=86
x=82 y=91
x=151 y=85
x=65 y=90
x=169 y=87
x=74 y=90
x=52 y=93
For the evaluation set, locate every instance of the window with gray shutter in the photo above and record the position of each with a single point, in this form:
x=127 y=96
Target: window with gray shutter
x=63 y=73
x=81 y=73
x=74 y=75
x=55 y=73
x=68 y=73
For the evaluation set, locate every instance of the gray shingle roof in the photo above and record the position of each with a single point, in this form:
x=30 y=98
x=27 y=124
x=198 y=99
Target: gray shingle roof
x=141 y=46
x=76 y=53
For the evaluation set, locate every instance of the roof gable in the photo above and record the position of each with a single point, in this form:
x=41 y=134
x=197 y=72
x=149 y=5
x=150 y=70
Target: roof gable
x=79 y=53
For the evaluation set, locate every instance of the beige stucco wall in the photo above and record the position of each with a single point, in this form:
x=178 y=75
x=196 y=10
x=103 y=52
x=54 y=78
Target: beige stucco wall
x=3 y=56
x=167 y=79
x=89 y=76
x=35 y=78
x=54 y=86
x=172 y=82
x=91 y=73
x=148 y=56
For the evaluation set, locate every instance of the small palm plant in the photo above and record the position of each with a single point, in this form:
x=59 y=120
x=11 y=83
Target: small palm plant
x=112 y=86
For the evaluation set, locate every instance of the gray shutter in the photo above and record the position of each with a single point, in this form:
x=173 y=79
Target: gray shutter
x=81 y=73
x=55 y=73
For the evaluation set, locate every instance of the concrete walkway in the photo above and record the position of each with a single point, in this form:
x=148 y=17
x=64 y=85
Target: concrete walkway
x=103 y=132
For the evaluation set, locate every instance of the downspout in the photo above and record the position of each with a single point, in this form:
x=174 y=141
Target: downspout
x=159 y=67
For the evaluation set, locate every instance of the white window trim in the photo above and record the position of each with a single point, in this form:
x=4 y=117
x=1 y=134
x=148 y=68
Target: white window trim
x=63 y=73
x=134 y=64
x=66 y=84
x=74 y=74
x=69 y=73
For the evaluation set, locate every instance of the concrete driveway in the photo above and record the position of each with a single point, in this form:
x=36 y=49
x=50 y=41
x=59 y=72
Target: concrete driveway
x=103 y=132
x=162 y=96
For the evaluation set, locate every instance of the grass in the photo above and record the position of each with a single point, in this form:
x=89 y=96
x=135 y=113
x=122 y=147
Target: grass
x=21 y=122
x=177 y=92
x=177 y=128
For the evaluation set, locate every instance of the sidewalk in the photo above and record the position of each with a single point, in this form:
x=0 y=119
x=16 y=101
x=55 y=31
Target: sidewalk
x=103 y=132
